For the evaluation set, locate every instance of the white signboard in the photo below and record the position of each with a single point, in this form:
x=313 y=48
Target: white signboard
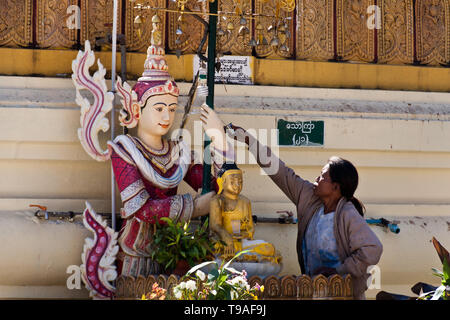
x=233 y=69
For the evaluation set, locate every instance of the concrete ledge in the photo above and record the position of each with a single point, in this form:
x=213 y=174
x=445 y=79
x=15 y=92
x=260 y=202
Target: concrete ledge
x=55 y=93
x=44 y=84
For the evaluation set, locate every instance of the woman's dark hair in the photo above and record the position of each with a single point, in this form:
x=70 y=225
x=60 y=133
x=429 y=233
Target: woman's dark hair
x=344 y=173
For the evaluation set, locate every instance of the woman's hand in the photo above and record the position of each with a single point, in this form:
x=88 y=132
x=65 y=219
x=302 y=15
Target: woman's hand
x=240 y=134
x=214 y=127
x=202 y=203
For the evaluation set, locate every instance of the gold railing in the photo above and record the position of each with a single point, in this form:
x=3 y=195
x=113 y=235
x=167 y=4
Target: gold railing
x=368 y=31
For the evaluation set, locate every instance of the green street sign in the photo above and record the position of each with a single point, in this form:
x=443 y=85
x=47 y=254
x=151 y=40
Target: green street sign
x=300 y=133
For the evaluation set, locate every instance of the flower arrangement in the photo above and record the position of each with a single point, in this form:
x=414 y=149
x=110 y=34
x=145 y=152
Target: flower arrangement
x=157 y=293
x=221 y=283
x=175 y=242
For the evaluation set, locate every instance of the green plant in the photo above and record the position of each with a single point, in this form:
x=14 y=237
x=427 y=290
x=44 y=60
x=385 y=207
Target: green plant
x=443 y=291
x=221 y=283
x=175 y=241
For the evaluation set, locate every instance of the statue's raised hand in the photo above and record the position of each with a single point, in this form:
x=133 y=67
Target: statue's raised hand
x=214 y=127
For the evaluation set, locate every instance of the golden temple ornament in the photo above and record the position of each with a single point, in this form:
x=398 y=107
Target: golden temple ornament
x=238 y=12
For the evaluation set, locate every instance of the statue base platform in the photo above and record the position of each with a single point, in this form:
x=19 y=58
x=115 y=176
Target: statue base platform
x=261 y=269
x=303 y=287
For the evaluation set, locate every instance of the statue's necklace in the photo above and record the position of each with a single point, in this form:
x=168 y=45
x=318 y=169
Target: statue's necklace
x=230 y=204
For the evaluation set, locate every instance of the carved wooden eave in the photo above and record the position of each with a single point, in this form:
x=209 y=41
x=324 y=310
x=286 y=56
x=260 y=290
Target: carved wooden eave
x=433 y=31
x=303 y=287
x=407 y=31
x=16 y=25
x=315 y=39
x=396 y=39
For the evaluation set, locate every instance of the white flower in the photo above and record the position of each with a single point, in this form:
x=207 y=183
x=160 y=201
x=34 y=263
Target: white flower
x=214 y=292
x=182 y=285
x=177 y=292
x=240 y=282
x=233 y=294
x=201 y=275
x=191 y=285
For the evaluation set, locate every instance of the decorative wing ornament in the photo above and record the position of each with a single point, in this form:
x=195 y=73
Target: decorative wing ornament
x=129 y=103
x=98 y=257
x=92 y=118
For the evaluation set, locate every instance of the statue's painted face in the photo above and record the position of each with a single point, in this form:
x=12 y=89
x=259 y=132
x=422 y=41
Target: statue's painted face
x=158 y=114
x=233 y=184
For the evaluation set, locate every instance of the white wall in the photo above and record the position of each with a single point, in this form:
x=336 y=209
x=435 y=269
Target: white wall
x=399 y=141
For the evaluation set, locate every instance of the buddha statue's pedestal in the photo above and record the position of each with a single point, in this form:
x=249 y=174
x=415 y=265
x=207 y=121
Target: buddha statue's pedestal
x=260 y=269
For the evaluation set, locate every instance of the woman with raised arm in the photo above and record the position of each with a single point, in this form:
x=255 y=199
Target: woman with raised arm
x=333 y=236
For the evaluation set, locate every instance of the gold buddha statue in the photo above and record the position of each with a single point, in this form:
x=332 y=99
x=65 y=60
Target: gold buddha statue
x=231 y=220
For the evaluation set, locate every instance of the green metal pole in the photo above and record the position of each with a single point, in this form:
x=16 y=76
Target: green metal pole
x=206 y=185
